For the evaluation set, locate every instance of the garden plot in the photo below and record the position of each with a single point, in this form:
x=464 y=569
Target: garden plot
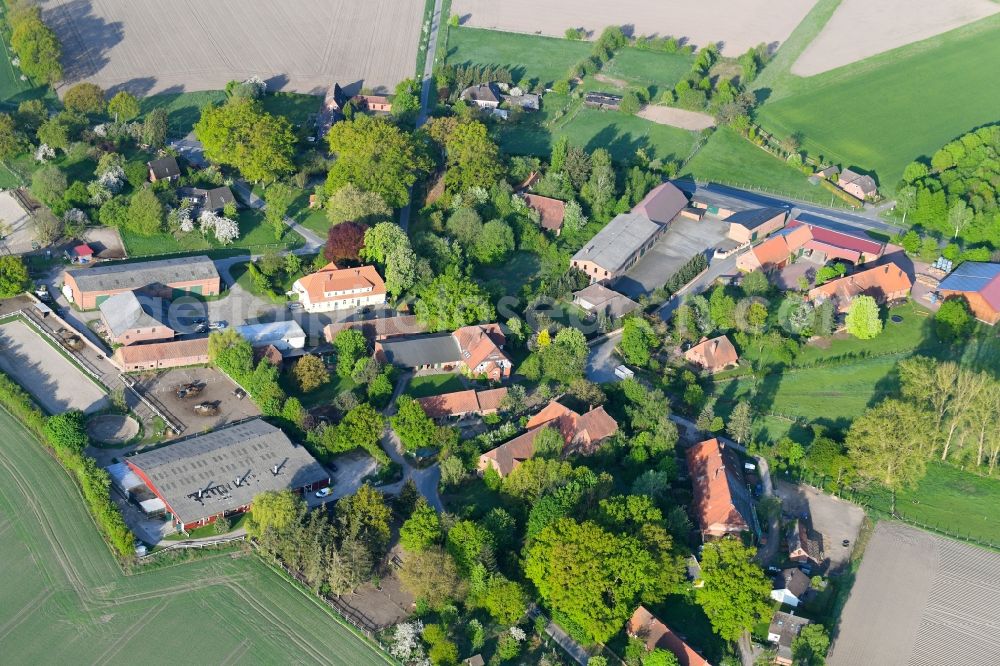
x=55 y=382
x=738 y=26
x=859 y=29
x=155 y=47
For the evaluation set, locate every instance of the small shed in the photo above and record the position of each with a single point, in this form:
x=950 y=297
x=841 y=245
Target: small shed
x=80 y=254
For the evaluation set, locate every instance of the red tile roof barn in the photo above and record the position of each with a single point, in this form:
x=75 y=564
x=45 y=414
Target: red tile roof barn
x=647 y=628
x=719 y=503
x=550 y=211
x=460 y=403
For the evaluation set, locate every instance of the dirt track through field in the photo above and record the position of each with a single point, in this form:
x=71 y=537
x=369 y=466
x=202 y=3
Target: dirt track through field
x=859 y=29
x=148 y=46
x=738 y=25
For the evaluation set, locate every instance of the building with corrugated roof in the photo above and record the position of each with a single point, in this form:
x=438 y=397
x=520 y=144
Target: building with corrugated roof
x=218 y=474
x=979 y=284
x=166 y=278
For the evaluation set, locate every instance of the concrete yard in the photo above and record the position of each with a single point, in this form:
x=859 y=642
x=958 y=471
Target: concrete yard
x=860 y=29
x=921 y=600
x=56 y=384
x=832 y=517
x=684 y=239
x=738 y=26
x=218 y=388
x=151 y=47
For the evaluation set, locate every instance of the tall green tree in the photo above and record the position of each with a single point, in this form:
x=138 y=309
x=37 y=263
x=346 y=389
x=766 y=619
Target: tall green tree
x=415 y=429
x=638 y=340
x=591 y=576
x=452 y=300
x=12 y=142
x=473 y=158
x=351 y=345
x=863 y=319
x=375 y=156
x=123 y=106
x=154 y=128
x=387 y=244
x=810 y=646
x=14 y=278
x=85 y=98
x=422 y=529
x=279 y=198
x=35 y=44
x=885 y=444
x=145 y=213
x=736 y=592
x=239 y=133
x=350 y=204
x=274 y=510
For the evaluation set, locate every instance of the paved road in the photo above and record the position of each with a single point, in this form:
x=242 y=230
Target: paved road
x=867 y=219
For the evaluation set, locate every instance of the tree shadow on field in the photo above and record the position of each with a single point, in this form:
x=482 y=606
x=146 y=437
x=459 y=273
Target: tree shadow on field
x=276 y=82
x=139 y=87
x=86 y=37
x=621 y=145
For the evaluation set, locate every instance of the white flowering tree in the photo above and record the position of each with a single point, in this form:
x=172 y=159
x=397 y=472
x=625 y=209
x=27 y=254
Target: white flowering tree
x=75 y=216
x=226 y=231
x=517 y=633
x=180 y=218
x=406 y=645
x=112 y=179
x=44 y=152
x=99 y=194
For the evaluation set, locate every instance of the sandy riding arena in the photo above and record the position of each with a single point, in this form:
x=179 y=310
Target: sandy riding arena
x=52 y=380
x=859 y=29
x=668 y=115
x=738 y=25
x=150 y=47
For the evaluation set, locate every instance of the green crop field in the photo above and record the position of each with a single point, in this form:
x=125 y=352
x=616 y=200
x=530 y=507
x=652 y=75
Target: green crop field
x=882 y=113
x=728 y=158
x=67 y=601
x=529 y=57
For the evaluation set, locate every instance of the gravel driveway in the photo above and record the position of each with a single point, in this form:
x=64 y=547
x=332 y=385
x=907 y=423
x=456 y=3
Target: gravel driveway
x=832 y=517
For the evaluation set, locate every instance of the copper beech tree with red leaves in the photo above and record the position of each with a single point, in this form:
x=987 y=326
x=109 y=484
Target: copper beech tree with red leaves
x=344 y=241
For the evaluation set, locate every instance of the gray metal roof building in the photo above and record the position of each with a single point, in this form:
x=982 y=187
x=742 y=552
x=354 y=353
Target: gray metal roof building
x=420 y=350
x=142 y=274
x=754 y=217
x=126 y=311
x=222 y=471
x=619 y=241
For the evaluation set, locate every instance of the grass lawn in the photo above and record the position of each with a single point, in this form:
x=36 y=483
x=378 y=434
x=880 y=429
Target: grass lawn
x=948 y=499
x=620 y=134
x=314 y=220
x=730 y=159
x=13 y=90
x=60 y=582
x=425 y=385
x=183 y=109
x=836 y=392
x=530 y=58
x=324 y=395
x=297 y=107
x=657 y=71
x=209 y=530
x=882 y=113
x=254 y=233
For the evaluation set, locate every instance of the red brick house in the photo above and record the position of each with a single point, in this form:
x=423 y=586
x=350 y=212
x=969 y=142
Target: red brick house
x=722 y=503
x=459 y=404
x=647 y=628
x=165 y=168
x=858 y=186
x=884 y=283
x=713 y=355
x=582 y=433
x=550 y=211
x=162 y=355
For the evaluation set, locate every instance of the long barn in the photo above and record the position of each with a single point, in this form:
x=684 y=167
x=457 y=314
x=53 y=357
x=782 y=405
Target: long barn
x=217 y=474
